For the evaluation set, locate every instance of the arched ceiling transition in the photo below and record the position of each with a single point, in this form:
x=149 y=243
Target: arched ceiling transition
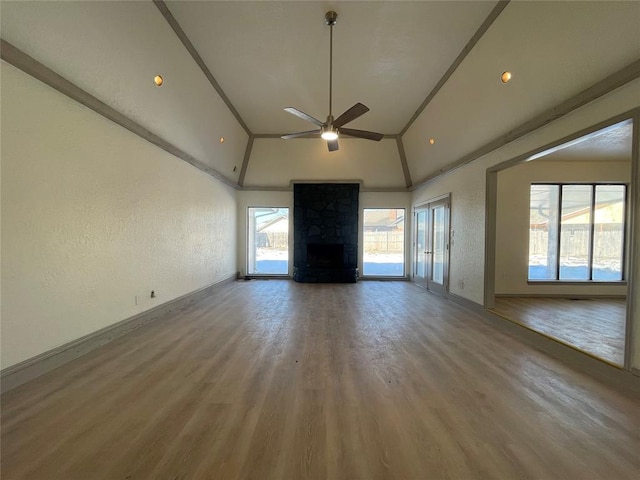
x=425 y=69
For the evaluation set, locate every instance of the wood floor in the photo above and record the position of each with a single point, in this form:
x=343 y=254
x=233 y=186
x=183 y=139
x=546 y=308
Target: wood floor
x=280 y=380
x=596 y=326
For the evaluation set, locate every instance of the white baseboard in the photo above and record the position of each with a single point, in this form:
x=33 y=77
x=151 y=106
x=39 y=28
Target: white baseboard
x=557 y=295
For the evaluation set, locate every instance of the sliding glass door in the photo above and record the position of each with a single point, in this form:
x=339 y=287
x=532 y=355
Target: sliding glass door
x=268 y=241
x=383 y=242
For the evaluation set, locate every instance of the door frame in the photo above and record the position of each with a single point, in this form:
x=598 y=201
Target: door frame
x=420 y=280
x=429 y=284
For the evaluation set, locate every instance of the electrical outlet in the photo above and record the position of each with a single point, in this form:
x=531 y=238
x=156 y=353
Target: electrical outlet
x=137 y=300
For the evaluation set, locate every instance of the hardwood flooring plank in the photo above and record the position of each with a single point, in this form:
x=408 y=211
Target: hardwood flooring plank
x=275 y=379
x=593 y=325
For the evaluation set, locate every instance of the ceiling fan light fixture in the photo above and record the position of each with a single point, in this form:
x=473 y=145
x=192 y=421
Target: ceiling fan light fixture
x=329 y=135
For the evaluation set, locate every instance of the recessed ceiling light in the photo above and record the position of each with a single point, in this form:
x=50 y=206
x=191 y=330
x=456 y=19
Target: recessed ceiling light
x=505 y=77
x=221 y=139
x=432 y=141
x=158 y=80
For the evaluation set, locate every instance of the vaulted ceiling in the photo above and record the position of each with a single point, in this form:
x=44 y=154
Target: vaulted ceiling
x=270 y=55
x=425 y=69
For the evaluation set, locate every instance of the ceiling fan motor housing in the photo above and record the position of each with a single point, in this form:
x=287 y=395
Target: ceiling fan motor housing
x=329 y=122
x=330 y=18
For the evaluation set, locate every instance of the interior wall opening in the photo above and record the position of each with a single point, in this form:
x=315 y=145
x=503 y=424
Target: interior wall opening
x=562 y=232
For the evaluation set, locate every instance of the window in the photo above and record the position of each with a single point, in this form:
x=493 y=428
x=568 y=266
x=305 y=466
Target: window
x=268 y=241
x=576 y=232
x=383 y=242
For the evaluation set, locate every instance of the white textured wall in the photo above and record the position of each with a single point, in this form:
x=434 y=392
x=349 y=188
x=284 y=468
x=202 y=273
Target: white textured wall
x=92 y=216
x=467 y=186
x=512 y=221
x=466 y=267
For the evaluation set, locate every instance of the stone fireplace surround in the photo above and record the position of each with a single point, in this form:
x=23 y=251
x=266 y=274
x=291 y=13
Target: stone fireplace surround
x=325 y=237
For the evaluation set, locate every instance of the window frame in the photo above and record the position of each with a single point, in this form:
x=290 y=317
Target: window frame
x=625 y=226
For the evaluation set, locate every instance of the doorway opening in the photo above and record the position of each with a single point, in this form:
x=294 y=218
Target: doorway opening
x=558 y=240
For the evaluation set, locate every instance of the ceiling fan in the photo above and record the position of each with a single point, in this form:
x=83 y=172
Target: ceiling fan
x=331 y=129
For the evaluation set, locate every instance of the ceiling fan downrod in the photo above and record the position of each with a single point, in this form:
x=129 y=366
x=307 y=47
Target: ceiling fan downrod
x=330 y=19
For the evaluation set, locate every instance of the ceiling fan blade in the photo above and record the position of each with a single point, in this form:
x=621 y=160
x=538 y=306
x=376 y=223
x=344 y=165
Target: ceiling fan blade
x=350 y=115
x=332 y=145
x=308 y=133
x=362 y=134
x=304 y=116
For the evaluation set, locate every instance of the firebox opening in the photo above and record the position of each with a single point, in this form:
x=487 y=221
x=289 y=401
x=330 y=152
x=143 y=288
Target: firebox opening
x=329 y=255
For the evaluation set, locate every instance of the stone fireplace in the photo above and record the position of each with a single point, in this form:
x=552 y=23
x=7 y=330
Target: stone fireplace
x=325 y=220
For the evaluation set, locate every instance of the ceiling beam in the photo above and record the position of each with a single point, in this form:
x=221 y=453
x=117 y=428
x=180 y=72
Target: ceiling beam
x=403 y=161
x=269 y=135
x=497 y=10
x=37 y=70
x=173 y=23
x=279 y=135
x=289 y=188
x=245 y=160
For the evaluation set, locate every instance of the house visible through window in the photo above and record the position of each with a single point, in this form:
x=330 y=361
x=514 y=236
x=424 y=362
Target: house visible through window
x=383 y=242
x=576 y=232
x=268 y=241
